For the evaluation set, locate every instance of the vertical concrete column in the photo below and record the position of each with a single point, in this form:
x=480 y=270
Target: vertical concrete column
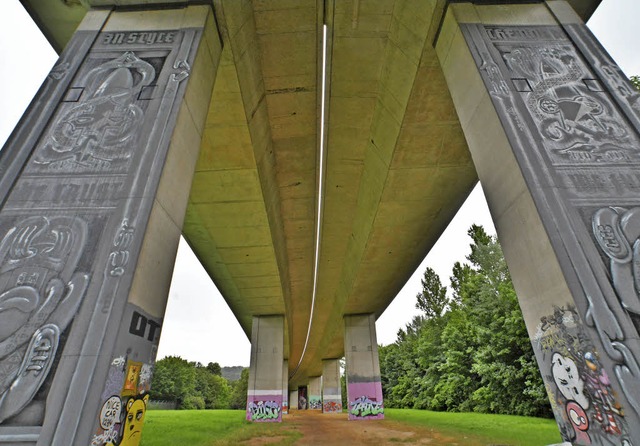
x=285 y=386
x=264 y=398
x=553 y=126
x=293 y=400
x=315 y=392
x=364 y=390
x=331 y=388
x=94 y=190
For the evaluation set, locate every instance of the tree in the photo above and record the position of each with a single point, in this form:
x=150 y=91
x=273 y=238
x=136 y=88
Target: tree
x=214 y=368
x=472 y=354
x=238 y=398
x=635 y=80
x=432 y=300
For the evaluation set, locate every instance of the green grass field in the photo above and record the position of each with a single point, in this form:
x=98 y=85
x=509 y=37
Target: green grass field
x=496 y=429
x=228 y=427
x=206 y=428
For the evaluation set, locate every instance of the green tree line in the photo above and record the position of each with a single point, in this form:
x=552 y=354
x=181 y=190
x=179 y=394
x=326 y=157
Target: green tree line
x=193 y=385
x=470 y=352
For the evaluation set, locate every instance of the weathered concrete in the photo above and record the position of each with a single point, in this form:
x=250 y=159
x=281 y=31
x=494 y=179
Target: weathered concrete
x=364 y=390
x=331 y=388
x=315 y=393
x=94 y=192
x=285 y=387
x=293 y=400
x=264 y=398
x=553 y=127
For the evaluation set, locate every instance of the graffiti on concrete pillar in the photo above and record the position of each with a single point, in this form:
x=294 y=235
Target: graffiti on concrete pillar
x=365 y=407
x=315 y=402
x=585 y=404
x=40 y=294
x=332 y=407
x=573 y=123
x=100 y=131
x=124 y=406
x=263 y=410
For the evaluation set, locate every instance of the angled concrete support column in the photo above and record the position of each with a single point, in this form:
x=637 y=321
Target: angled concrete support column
x=94 y=190
x=315 y=393
x=285 y=386
x=264 y=398
x=331 y=389
x=364 y=390
x=553 y=127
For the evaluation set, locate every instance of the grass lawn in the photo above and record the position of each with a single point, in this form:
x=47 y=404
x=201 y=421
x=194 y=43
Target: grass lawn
x=501 y=429
x=228 y=427
x=206 y=428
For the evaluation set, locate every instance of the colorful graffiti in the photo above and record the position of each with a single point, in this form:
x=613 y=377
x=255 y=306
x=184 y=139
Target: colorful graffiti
x=364 y=407
x=332 y=407
x=584 y=403
x=263 y=411
x=125 y=397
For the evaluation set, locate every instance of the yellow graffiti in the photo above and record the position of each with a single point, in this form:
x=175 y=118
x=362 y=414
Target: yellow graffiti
x=132 y=431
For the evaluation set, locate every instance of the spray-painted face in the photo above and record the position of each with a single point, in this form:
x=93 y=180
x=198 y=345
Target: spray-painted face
x=136 y=409
x=566 y=377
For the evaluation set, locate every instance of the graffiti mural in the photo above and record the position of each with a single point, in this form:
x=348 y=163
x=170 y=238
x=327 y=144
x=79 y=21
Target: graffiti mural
x=263 y=411
x=583 y=401
x=364 y=407
x=125 y=397
x=573 y=123
x=100 y=131
x=332 y=407
x=40 y=295
x=315 y=402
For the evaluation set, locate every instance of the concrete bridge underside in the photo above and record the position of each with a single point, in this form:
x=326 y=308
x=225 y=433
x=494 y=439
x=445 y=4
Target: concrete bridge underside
x=397 y=166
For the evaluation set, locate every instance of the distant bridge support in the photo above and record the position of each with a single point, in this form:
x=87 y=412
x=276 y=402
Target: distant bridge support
x=364 y=389
x=315 y=392
x=553 y=127
x=285 y=387
x=95 y=183
x=264 y=399
x=331 y=388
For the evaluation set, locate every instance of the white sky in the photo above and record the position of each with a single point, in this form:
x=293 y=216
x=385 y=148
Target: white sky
x=199 y=325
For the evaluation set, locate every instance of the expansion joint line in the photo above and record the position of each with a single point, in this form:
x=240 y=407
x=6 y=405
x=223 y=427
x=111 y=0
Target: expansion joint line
x=320 y=184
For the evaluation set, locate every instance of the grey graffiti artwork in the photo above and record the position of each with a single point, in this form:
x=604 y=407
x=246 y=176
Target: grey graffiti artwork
x=571 y=119
x=577 y=122
x=101 y=129
x=617 y=231
x=40 y=295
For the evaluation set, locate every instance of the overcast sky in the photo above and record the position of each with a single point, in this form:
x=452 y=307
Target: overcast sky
x=199 y=325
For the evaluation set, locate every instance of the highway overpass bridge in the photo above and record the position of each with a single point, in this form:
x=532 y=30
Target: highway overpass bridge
x=311 y=152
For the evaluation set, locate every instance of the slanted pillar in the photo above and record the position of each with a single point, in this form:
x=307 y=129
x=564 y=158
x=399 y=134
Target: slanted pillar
x=364 y=390
x=331 y=389
x=285 y=386
x=94 y=187
x=315 y=393
x=264 y=395
x=553 y=126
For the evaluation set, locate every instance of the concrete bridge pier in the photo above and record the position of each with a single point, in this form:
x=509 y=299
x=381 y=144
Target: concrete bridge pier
x=553 y=128
x=285 y=387
x=331 y=388
x=264 y=399
x=315 y=392
x=94 y=189
x=364 y=390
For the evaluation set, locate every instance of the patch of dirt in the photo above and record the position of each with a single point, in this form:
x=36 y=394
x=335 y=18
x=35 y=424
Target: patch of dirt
x=335 y=429
x=259 y=441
